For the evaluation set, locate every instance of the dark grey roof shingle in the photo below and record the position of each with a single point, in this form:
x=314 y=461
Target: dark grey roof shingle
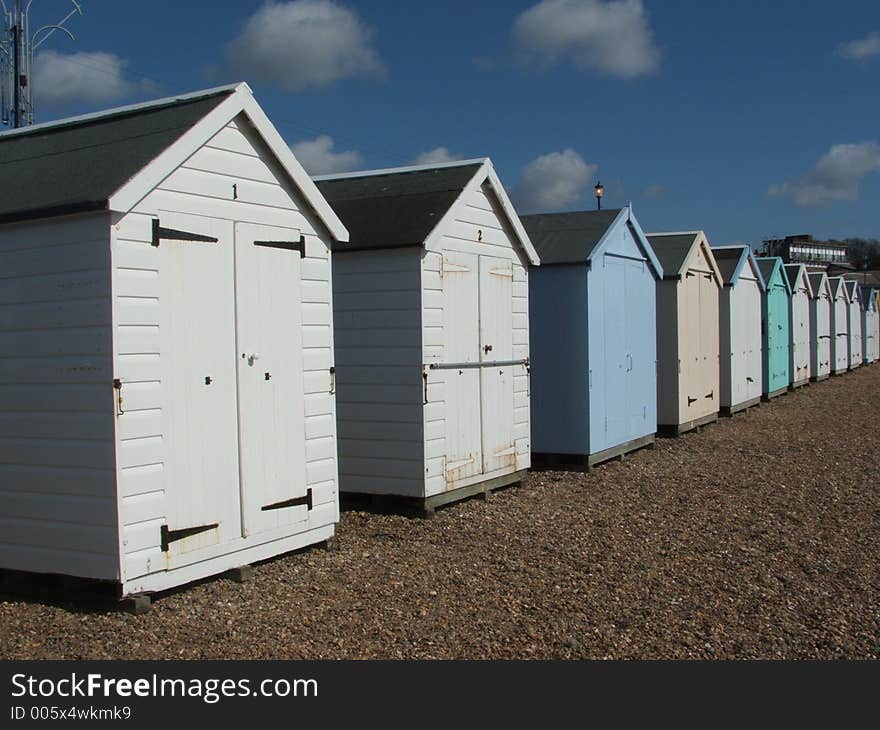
x=766 y=265
x=728 y=258
x=672 y=250
x=791 y=271
x=567 y=238
x=395 y=209
x=815 y=282
x=78 y=165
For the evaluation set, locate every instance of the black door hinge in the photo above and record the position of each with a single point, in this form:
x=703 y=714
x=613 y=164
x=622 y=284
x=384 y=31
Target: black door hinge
x=295 y=502
x=169 y=536
x=172 y=234
x=299 y=246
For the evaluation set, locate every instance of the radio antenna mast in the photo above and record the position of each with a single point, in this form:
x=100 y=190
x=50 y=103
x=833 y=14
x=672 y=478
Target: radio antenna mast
x=17 y=46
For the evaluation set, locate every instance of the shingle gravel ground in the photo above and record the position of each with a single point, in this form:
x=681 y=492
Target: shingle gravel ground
x=759 y=537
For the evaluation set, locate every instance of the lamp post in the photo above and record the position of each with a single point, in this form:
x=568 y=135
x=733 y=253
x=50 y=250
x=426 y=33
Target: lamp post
x=599 y=191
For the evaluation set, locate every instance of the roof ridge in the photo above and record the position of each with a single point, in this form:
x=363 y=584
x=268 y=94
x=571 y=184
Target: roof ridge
x=116 y=112
x=378 y=172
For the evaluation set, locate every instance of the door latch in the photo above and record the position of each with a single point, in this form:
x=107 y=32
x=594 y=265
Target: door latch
x=117 y=386
x=332 y=379
x=487 y=349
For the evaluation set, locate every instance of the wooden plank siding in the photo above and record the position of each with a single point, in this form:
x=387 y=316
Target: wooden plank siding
x=376 y=305
x=57 y=482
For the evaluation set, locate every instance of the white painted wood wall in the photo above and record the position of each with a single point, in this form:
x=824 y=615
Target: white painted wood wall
x=740 y=340
x=478 y=227
x=820 y=332
x=799 y=328
x=839 y=328
x=854 y=323
x=57 y=480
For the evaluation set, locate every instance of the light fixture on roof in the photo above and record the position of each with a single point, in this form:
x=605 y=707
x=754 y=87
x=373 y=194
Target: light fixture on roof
x=599 y=191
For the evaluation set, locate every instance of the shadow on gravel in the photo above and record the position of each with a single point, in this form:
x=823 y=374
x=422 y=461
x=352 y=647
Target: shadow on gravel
x=85 y=596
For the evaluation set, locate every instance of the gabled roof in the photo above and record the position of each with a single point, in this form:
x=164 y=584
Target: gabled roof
x=673 y=250
x=818 y=280
x=401 y=207
x=769 y=266
x=568 y=238
x=110 y=160
x=793 y=272
x=838 y=284
x=854 y=290
x=732 y=261
x=870 y=297
x=574 y=238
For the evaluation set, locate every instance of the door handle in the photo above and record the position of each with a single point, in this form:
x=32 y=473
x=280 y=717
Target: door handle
x=487 y=349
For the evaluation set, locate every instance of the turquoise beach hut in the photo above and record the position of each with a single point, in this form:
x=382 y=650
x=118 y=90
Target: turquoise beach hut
x=775 y=326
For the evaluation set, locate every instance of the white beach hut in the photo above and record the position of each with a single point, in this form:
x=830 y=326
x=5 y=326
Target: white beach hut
x=166 y=349
x=432 y=333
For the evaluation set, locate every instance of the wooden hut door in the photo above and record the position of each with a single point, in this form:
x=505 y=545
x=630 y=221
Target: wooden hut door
x=197 y=331
x=269 y=341
x=497 y=371
x=689 y=376
x=461 y=375
x=709 y=343
x=616 y=355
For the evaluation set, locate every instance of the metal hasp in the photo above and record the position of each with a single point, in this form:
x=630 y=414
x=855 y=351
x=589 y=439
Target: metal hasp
x=172 y=234
x=299 y=246
x=466 y=365
x=295 y=502
x=169 y=536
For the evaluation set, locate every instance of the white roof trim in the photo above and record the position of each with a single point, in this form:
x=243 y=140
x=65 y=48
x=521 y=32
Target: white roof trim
x=125 y=109
x=675 y=233
x=396 y=170
x=240 y=101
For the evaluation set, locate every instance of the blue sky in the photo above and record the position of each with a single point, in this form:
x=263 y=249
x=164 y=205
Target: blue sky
x=743 y=118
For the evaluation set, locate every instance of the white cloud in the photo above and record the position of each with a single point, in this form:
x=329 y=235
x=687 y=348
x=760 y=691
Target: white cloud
x=65 y=79
x=610 y=36
x=304 y=44
x=655 y=191
x=436 y=156
x=552 y=182
x=836 y=175
x=862 y=48
x=318 y=157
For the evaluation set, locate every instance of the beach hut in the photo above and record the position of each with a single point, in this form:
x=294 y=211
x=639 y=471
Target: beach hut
x=839 y=325
x=432 y=333
x=592 y=314
x=854 y=323
x=688 y=375
x=740 y=327
x=799 y=324
x=775 y=326
x=820 y=326
x=166 y=410
x=871 y=325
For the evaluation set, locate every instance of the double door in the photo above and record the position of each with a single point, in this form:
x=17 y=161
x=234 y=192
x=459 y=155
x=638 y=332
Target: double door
x=478 y=369
x=628 y=354
x=699 y=345
x=231 y=354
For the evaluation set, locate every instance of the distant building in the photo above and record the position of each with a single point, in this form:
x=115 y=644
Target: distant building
x=802 y=249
